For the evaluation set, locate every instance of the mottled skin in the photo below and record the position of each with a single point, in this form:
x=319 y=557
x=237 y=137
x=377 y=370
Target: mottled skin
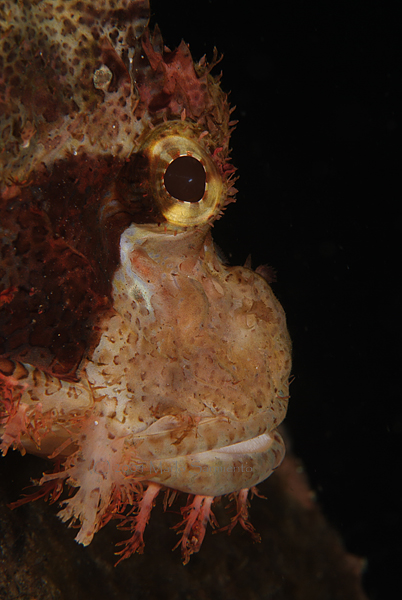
x=129 y=353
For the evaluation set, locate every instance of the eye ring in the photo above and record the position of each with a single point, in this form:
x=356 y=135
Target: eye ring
x=164 y=149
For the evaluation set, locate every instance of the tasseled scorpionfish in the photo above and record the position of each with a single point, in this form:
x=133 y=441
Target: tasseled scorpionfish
x=131 y=356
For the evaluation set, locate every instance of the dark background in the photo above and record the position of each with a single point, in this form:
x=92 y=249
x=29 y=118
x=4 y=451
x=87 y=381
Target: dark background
x=317 y=90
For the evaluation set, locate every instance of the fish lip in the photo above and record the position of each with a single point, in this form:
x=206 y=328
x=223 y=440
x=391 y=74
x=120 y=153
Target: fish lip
x=251 y=446
x=222 y=470
x=175 y=437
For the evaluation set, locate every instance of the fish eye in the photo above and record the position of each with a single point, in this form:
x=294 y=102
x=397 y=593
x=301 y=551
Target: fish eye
x=182 y=177
x=185 y=179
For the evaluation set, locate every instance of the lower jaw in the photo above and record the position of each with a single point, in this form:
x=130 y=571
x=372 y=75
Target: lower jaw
x=216 y=472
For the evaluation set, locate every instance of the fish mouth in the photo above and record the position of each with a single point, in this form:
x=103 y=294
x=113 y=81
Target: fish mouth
x=257 y=444
x=221 y=470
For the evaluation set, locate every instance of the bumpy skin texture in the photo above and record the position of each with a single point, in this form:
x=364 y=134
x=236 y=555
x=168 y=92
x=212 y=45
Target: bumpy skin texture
x=129 y=354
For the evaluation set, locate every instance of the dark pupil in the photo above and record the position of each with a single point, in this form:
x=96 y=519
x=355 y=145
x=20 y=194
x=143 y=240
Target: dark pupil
x=185 y=179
